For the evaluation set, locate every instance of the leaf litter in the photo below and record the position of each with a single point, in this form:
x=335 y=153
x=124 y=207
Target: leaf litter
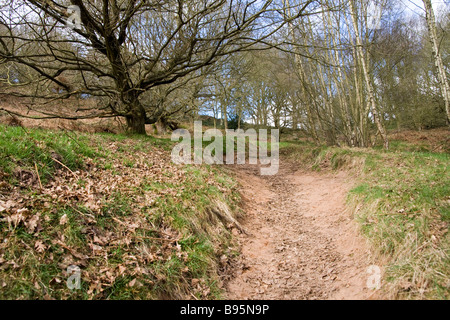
x=104 y=219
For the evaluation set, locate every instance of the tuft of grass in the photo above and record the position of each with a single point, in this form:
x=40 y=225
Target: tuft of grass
x=23 y=148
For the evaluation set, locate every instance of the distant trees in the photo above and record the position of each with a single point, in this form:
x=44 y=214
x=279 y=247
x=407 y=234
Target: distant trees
x=335 y=69
x=345 y=76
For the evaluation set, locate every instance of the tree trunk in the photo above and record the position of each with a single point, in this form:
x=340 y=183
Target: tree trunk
x=224 y=113
x=276 y=120
x=370 y=90
x=443 y=81
x=215 y=113
x=136 y=119
x=301 y=74
x=342 y=83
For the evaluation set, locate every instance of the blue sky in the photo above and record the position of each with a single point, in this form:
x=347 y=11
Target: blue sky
x=416 y=6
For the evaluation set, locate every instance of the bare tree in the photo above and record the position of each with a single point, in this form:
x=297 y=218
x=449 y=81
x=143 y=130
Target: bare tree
x=122 y=49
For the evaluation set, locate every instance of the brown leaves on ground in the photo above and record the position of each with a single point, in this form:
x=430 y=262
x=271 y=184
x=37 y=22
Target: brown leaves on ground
x=101 y=220
x=436 y=140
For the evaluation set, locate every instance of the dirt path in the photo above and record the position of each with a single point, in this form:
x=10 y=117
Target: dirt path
x=302 y=243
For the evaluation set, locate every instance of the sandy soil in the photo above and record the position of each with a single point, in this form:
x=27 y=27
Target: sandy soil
x=302 y=243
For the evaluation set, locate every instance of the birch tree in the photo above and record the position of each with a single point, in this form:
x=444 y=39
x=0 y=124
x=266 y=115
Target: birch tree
x=366 y=72
x=442 y=76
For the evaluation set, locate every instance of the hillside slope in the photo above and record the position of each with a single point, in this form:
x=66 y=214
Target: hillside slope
x=137 y=226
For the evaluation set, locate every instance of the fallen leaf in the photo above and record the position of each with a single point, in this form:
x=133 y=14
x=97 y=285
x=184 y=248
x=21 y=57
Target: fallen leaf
x=122 y=269
x=194 y=282
x=63 y=220
x=15 y=219
x=95 y=247
x=39 y=246
x=32 y=223
x=132 y=283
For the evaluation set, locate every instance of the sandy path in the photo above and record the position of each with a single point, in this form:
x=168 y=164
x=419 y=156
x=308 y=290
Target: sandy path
x=302 y=243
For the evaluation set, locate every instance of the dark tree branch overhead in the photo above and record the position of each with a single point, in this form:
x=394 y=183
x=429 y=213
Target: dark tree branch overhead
x=125 y=48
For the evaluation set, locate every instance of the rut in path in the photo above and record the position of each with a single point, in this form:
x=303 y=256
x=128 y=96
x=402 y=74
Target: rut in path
x=301 y=242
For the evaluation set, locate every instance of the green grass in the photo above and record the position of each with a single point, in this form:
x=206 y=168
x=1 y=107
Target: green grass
x=23 y=148
x=170 y=246
x=167 y=248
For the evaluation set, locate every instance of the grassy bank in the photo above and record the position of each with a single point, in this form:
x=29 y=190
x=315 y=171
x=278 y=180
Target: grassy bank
x=136 y=225
x=402 y=202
